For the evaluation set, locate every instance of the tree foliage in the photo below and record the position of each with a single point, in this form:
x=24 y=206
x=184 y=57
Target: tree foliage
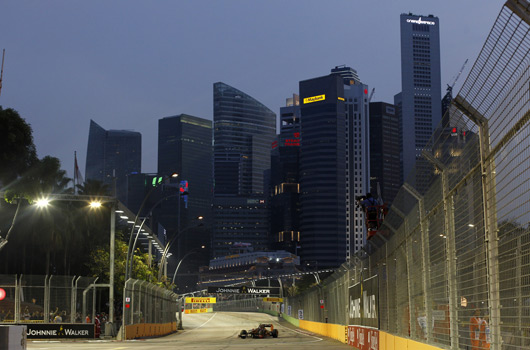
x=99 y=260
x=93 y=187
x=17 y=151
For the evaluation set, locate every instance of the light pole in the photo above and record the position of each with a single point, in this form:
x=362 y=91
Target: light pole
x=184 y=257
x=140 y=227
x=129 y=252
x=170 y=243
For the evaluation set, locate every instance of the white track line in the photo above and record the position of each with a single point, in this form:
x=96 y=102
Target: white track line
x=211 y=318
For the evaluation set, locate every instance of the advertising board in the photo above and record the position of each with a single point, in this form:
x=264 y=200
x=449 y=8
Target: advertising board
x=363 y=338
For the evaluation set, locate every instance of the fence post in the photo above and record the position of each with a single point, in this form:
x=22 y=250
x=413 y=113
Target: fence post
x=425 y=257
x=451 y=261
x=408 y=259
x=18 y=285
x=449 y=223
x=73 y=303
x=490 y=217
x=47 y=297
x=491 y=239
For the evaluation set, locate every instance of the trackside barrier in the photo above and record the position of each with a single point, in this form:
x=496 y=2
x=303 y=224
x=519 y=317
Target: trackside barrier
x=143 y=330
x=13 y=337
x=149 y=311
x=390 y=342
x=198 y=311
x=291 y=320
x=334 y=331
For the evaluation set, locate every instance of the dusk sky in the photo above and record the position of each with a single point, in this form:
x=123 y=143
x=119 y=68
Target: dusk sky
x=126 y=64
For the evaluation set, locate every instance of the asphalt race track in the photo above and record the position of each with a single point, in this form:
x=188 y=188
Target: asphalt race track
x=217 y=330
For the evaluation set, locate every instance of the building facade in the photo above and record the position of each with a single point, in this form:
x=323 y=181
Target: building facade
x=386 y=173
x=113 y=153
x=185 y=148
x=285 y=179
x=357 y=155
x=420 y=98
x=243 y=132
x=323 y=172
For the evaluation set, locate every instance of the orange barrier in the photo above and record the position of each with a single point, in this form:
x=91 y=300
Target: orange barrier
x=392 y=342
x=141 y=330
x=329 y=330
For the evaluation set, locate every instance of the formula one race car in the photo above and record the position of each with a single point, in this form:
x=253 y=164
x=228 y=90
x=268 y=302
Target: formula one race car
x=261 y=332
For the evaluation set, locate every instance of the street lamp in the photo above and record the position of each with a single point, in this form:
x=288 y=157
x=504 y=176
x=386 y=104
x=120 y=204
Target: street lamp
x=184 y=257
x=130 y=254
x=140 y=229
x=170 y=243
x=42 y=202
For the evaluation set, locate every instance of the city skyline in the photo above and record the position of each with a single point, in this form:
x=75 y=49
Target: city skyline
x=128 y=66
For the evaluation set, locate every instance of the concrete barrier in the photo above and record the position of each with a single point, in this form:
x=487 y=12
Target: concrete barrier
x=339 y=332
x=334 y=331
x=142 y=330
x=13 y=337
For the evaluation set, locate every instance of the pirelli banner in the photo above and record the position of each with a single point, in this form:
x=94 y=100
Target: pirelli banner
x=363 y=306
x=200 y=300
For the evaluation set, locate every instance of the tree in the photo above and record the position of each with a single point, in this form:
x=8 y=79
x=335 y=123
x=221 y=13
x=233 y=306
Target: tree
x=50 y=228
x=17 y=155
x=17 y=151
x=93 y=187
x=98 y=264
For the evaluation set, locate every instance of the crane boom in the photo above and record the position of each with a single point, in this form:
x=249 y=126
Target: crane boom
x=2 y=70
x=371 y=95
x=459 y=73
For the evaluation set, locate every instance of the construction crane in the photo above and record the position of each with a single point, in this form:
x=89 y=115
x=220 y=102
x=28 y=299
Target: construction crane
x=2 y=70
x=450 y=87
x=371 y=95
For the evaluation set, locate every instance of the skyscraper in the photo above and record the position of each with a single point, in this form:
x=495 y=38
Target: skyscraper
x=323 y=171
x=385 y=151
x=357 y=155
x=420 y=98
x=285 y=180
x=243 y=132
x=185 y=148
x=113 y=153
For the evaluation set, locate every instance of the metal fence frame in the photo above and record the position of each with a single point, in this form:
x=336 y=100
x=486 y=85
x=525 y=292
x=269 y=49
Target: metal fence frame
x=39 y=298
x=148 y=303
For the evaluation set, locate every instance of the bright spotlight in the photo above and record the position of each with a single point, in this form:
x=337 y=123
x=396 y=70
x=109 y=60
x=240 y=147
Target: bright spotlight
x=95 y=204
x=42 y=202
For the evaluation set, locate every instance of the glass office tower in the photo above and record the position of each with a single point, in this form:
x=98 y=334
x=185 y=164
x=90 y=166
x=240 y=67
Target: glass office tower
x=243 y=132
x=323 y=172
x=420 y=99
x=113 y=153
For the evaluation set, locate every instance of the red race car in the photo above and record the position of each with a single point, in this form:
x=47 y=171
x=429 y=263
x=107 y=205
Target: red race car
x=264 y=330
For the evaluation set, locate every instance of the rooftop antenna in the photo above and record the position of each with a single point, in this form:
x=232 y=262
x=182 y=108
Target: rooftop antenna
x=2 y=71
